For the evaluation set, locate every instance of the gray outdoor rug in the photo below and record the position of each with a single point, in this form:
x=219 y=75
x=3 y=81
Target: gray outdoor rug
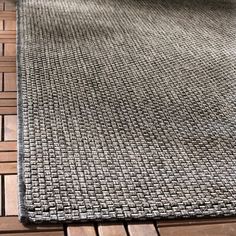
x=127 y=109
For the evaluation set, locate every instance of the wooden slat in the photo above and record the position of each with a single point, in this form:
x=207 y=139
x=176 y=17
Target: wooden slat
x=1 y=194
x=83 y=230
x=8 y=156
x=8 y=146
x=8 y=59
x=1 y=81
x=7 y=95
x=1 y=128
x=10 y=183
x=10 y=126
x=10 y=49
x=10 y=6
x=10 y=25
x=8 y=110
x=12 y=224
x=112 y=230
x=8 y=69
x=10 y=82
x=8 y=103
x=8 y=168
x=142 y=229
x=7 y=15
x=228 y=229
x=7 y=36
x=1 y=22
x=198 y=221
x=55 y=233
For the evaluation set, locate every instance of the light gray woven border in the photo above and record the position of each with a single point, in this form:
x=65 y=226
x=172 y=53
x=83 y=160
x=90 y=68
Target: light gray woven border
x=20 y=121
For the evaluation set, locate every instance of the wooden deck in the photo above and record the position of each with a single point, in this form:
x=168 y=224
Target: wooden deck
x=9 y=224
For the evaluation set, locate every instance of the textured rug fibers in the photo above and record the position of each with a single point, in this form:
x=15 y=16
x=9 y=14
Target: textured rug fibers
x=127 y=109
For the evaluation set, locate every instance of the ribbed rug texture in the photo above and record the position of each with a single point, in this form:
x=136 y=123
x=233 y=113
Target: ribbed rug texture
x=127 y=109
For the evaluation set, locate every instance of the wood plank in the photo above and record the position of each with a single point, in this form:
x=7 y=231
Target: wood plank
x=7 y=95
x=12 y=224
x=10 y=25
x=1 y=128
x=8 y=59
x=8 y=102
x=81 y=230
x=8 y=69
x=7 y=39
x=8 y=156
x=227 y=229
x=8 y=110
x=10 y=6
x=1 y=194
x=196 y=221
x=10 y=82
x=7 y=63
x=8 y=146
x=10 y=127
x=10 y=49
x=10 y=183
x=112 y=230
x=55 y=233
x=1 y=23
x=7 y=15
x=8 y=168
x=142 y=229
x=1 y=82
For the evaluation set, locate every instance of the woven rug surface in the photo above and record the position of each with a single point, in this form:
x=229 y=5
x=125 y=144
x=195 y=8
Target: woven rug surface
x=127 y=109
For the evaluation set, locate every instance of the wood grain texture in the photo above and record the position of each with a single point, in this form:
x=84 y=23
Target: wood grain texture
x=142 y=229
x=7 y=15
x=8 y=168
x=10 y=82
x=8 y=110
x=1 y=82
x=7 y=95
x=55 y=233
x=10 y=24
x=1 y=194
x=8 y=102
x=8 y=146
x=12 y=224
x=200 y=230
x=10 y=50
x=112 y=230
x=1 y=128
x=10 y=183
x=8 y=156
x=81 y=230
x=10 y=126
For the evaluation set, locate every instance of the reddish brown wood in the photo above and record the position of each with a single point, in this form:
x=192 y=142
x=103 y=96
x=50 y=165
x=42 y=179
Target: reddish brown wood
x=12 y=224
x=8 y=103
x=11 y=60
x=1 y=81
x=83 y=230
x=142 y=229
x=10 y=126
x=10 y=182
x=8 y=110
x=10 y=49
x=7 y=15
x=0 y=128
x=10 y=82
x=55 y=233
x=8 y=69
x=8 y=168
x=8 y=146
x=198 y=230
x=10 y=25
x=8 y=156
x=111 y=230
x=7 y=95
x=1 y=194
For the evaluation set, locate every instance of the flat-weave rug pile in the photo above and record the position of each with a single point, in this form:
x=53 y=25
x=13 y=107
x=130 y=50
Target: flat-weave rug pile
x=127 y=109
